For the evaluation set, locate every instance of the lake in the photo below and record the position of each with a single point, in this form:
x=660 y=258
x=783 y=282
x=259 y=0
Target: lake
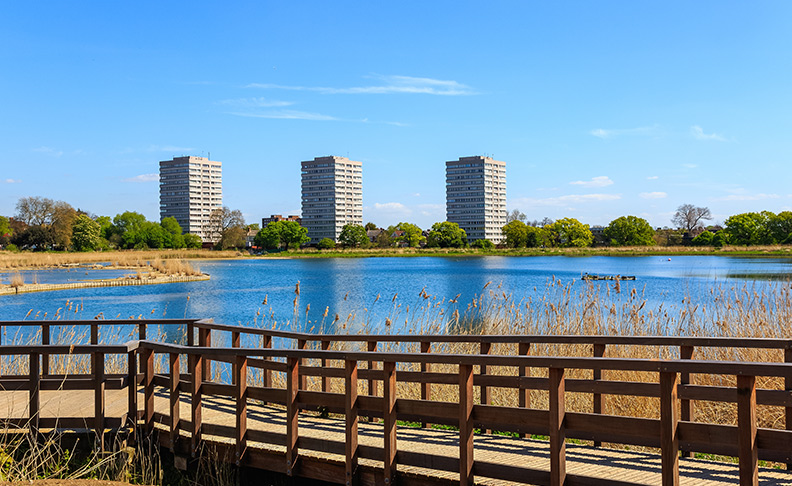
x=365 y=292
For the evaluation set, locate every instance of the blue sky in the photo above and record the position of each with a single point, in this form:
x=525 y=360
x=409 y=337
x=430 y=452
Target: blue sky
x=600 y=109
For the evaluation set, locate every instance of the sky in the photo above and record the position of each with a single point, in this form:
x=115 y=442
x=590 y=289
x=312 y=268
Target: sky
x=599 y=109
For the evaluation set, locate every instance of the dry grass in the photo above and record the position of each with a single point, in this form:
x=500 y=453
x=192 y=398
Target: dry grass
x=29 y=260
x=17 y=280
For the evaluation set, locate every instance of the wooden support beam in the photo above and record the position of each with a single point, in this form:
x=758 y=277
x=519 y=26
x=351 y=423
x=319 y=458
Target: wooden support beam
x=598 y=352
x=325 y=379
x=147 y=363
x=351 y=415
x=687 y=414
x=389 y=419
x=196 y=392
x=371 y=347
x=557 y=428
x=746 y=430
x=236 y=339
x=426 y=388
x=94 y=333
x=241 y=407
x=132 y=396
x=669 y=422
x=34 y=398
x=484 y=348
x=190 y=334
x=98 y=365
x=303 y=344
x=266 y=343
x=465 y=425
x=45 y=358
x=175 y=377
x=788 y=388
x=292 y=430
x=524 y=394
x=205 y=341
x=142 y=337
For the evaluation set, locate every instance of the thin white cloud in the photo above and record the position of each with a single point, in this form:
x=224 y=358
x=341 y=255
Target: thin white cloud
x=599 y=181
x=143 y=178
x=11 y=181
x=387 y=85
x=390 y=206
x=689 y=166
x=606 y=133
x=652 y=178
x=48 y=151
x=287 y=115
x=653 y=195
x=698 y=133
x=746 y=197
x=255 y=103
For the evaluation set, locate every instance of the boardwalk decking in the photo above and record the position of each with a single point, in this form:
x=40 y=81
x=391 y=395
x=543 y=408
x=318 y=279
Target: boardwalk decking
x=500 y=451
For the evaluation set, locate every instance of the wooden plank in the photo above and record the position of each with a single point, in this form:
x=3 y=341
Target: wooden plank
x=241 y=408
x=669 y=421
x=686 y=352
x=94 y=333
x=788 y=389
x=746 y=424
x=523 y=394
x=484 y=392
x=205 y=341
x=389 y=421
x=173 y=389
x=266 y=343
x=351 y=422
x=302 y=344
x=557 y=433
x=371 y=347
x=426 y=388
x=132 y=395
x=236 y=340
x=34 y=397
x=292 y=431
x=466 y=425
x=599 y=352
x=98 y=365
x=196 y=412
x=45 y=339
x=147 y=363
x=325 y=379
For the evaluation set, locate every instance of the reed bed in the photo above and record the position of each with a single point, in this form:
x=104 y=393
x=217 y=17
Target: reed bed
x=136 y=258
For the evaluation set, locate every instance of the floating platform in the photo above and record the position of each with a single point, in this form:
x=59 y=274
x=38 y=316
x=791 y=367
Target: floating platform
x=589 y=276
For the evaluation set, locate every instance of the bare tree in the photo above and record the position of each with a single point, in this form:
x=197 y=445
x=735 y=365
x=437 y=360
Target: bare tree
x=35 y=211
x=689 y=217
x=226 y=228
x=515 y=215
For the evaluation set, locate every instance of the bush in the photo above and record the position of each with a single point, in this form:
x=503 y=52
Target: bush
x=483 y=244
x=326 y=244
x=12 y=248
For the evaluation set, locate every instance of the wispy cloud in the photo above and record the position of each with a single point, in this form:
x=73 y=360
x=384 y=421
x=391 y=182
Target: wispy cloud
x=286 y=115
x=698 y=133
x=11 y=181
x=599 y=181
x=386 y=85
x=255 y=103
x=48 y=151
x=605 y=133
x=652 y=178
x=746 y=197
x=689 y=166
x=143 y=178
x=653 y=195
x=390 y=206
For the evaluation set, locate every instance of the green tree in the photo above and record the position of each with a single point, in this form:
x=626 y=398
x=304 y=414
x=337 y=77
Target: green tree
x=569 y=232
x=630 y=231
x=749 y=229
x=353 y=235
x=412 y=234
x=5 y=231
x=326 y=244
x=172 y=233
x=281 y=233
x=781 y=227
x=516 y=233
x=447 y=235
x=192 y=241
x=704 y=239
x=270 y=236
x=293 y=235
x=484 y=244
x=370 y=226
x=86 y=234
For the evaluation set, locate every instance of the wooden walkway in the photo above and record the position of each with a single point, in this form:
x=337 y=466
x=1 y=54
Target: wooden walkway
x=495 y=450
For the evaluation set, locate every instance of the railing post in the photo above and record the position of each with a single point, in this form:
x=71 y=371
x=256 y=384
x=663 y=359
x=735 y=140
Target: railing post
x=236 y=338
x=175 y=376
x=524 y=394
x=98 y=364
x=34 y=402
x=389 y=420
x=371 y=347
x=142 y=337
x=241 y=407
x=351 y=413
x=557 y=428
x=746 y=430
x=132 y=415
x=94 y=333
x=687 y=414
x=196 y=384
x=426 y=388
x=292 y=430
x=303 y=344
x=669 y=422
x=45 y=358
x=325 y=379
x=205 y=341
x=266 y=343
x=599 y=352
x=466 y=425
x=484 y=348
x=190 y=334
x=788 y=388
x=147 y=363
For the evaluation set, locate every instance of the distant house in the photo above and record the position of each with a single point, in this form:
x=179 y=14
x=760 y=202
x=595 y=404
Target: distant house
x=249 y=237
x=278 y=217
x=374 y=234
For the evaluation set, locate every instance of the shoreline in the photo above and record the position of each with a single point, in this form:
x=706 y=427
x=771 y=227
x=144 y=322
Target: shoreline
x=89 y=284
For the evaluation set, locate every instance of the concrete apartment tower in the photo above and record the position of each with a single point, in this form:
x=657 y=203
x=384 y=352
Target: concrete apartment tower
x=332 y=196
x=190 y=189
x=476 y=196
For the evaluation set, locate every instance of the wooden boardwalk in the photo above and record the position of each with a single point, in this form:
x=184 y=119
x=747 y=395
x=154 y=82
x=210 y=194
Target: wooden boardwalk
x=495 y=450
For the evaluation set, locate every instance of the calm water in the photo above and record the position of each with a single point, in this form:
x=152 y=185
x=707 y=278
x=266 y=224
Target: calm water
x=349 y=287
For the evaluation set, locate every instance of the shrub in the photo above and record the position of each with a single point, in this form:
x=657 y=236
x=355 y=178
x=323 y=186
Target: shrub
x=326 y=244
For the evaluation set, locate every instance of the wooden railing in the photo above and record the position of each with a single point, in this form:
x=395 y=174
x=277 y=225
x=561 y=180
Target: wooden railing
x=673 y=432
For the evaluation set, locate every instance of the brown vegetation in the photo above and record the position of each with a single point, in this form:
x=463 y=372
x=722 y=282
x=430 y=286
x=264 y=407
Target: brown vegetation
x=26 y=260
